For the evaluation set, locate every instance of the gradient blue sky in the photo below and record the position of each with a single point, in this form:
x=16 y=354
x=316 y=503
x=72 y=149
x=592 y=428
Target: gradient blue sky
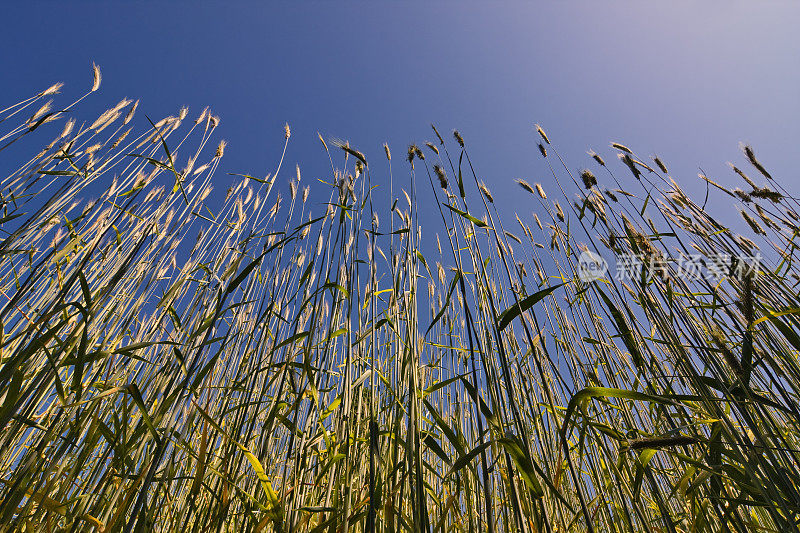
x=685 y=80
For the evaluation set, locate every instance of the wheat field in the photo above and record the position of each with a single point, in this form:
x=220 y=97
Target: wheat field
x=269 y=363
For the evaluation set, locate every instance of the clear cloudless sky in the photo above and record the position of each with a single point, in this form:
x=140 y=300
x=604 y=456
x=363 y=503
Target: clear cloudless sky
x=685 y=80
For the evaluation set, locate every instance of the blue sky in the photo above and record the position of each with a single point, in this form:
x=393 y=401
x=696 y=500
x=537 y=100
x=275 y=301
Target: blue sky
x=685 y=80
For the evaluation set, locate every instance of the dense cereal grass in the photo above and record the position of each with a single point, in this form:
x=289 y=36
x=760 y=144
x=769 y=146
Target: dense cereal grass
x=171 y=364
